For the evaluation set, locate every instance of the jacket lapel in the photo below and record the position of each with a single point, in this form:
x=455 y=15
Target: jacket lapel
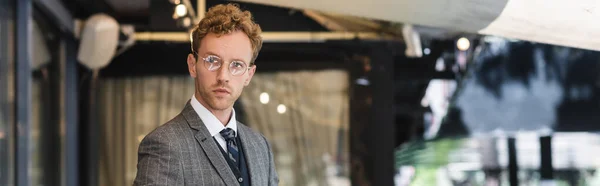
x=250 y=153
x=209 y=146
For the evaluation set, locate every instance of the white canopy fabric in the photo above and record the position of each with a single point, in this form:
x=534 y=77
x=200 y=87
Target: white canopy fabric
x=559 y=22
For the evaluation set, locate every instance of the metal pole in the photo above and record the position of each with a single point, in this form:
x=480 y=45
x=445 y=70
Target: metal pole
x=56 y=10
x=23 y=90
x=200 y=10
x=546 y=169
x=381 y=142
x=71 y=111
x=93 y=134
x=513 y=168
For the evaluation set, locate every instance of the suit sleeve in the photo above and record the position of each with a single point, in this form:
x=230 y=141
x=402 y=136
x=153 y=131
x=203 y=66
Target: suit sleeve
x=158 y=161
x=273 y=177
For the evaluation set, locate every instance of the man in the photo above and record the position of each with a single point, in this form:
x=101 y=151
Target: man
x=204 y=144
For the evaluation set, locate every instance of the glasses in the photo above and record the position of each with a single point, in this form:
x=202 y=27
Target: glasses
x=213 y=63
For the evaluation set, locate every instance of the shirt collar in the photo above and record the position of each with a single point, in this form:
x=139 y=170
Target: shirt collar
x=211 y=122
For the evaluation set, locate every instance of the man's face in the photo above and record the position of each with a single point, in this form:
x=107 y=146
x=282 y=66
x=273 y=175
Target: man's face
x=219 y=89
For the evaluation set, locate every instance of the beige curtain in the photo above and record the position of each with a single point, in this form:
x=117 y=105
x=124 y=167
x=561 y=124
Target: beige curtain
x=128 y=110
x=310 y=140
x=37 y=115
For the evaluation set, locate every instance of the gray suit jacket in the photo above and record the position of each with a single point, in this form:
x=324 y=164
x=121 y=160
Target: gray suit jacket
x=182 y=152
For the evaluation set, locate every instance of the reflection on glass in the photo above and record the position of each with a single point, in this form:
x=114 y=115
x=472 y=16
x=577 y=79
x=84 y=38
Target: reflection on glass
x=35 y=140
x=6 y=92
x=514 y=86
x=45 y=138
x=483 y=161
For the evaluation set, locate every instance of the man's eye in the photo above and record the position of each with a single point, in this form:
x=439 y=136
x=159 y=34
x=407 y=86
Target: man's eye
x=212 y=59
x=238 y=64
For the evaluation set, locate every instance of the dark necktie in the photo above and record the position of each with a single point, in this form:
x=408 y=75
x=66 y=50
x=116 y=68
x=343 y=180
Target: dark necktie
x=232 y=148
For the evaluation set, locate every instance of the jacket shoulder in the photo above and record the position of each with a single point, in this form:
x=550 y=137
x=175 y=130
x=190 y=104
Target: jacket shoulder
x=253 y=134
x=169 y=130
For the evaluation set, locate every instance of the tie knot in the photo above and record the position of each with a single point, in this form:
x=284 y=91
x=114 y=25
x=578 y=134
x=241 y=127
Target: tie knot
x=228 y=134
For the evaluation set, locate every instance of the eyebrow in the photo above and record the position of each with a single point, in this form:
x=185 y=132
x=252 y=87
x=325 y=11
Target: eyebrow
x=211 y=53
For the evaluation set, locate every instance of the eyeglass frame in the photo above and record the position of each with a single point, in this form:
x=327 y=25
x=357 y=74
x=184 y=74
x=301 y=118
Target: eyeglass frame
x=195 y=54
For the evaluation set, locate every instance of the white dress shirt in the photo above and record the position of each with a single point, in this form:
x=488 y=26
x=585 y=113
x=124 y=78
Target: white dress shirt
x=213 y=124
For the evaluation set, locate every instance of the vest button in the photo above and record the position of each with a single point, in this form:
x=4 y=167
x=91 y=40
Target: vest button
x=240 y=180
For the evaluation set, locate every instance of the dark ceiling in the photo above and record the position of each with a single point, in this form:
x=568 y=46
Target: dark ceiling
x=155 y=15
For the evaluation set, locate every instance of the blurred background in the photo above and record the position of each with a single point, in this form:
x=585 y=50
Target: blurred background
x=349 y=93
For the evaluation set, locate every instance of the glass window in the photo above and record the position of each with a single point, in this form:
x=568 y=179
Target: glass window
x=6 y=91
x=46 y=111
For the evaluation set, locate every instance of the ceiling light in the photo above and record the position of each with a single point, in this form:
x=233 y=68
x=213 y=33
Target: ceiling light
x=463 y=44
x=186 y=21
x=180 y=10
x=264 y=98
x=281 y=108
x=426 y=51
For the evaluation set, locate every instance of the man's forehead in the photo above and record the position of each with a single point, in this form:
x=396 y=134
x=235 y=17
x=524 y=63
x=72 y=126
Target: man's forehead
x=233 y=45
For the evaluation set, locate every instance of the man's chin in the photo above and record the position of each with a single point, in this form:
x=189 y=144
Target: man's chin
x=221 y=106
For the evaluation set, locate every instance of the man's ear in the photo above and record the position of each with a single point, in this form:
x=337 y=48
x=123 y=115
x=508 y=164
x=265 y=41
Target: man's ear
x=251 y=72
x=191 y=62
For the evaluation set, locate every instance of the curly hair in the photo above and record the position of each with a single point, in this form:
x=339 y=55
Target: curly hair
x=225 y=19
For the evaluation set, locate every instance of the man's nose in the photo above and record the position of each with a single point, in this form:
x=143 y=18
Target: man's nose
x=223 y=74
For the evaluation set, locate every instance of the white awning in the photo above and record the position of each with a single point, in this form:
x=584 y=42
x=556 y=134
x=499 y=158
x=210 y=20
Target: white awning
x=559 y=22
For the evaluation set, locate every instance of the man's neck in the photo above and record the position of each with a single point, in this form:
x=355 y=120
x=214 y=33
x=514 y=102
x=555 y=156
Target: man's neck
x=222 y=115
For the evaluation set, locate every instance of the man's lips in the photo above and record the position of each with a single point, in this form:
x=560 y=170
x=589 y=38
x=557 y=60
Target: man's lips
x=221 y=90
